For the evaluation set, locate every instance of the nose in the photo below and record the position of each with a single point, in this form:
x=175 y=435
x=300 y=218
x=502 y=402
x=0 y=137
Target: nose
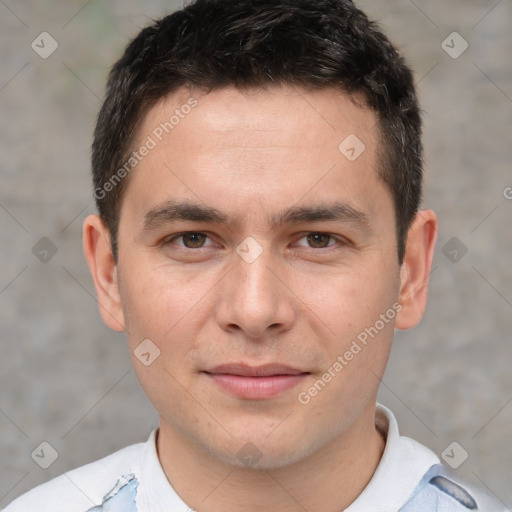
x=255 y=298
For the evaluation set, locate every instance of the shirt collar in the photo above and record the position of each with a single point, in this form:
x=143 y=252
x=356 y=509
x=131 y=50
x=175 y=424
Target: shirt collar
x=155 y=493
x=402 y=466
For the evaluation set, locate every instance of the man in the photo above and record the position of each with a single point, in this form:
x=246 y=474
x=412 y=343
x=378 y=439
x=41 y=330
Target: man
x=258 y=170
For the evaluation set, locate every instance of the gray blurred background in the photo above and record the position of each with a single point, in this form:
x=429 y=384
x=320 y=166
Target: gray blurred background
x=66 y=379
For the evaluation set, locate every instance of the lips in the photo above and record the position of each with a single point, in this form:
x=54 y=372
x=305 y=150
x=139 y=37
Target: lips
x=255 y=382
x=266 y=370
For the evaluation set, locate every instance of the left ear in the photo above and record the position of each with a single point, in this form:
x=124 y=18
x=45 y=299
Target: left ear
x=415 y=269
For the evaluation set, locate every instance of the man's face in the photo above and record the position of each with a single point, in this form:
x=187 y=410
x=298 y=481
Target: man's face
x=268 y=278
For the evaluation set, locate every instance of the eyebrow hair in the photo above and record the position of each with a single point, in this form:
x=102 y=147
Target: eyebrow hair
x=172 y=211
x=337 y=211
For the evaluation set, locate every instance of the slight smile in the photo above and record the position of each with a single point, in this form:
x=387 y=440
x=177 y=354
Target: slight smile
x=256 y=382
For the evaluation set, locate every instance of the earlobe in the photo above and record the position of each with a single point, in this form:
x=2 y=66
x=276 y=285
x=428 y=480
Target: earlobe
x=416 y=267
x=97 y=249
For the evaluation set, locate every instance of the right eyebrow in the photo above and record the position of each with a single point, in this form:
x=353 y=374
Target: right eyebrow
x=171 y=211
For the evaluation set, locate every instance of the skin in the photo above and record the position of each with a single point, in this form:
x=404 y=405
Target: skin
x=302 y=302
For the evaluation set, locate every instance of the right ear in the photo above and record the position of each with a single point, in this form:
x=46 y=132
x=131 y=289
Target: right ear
x=98 y=252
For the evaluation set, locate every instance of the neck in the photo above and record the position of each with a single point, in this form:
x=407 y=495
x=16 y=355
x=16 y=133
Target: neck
x=329 y=480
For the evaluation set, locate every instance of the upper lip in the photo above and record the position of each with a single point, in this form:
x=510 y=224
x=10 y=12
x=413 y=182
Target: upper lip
x=245 y=370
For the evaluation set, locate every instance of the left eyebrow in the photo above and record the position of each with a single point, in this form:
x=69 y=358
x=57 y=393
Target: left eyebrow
x=172 y=211
x=339 y=211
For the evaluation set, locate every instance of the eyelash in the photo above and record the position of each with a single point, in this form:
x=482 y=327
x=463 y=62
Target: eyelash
x=170 y=240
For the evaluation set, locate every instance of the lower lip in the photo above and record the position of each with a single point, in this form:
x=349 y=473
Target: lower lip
x=254 y=388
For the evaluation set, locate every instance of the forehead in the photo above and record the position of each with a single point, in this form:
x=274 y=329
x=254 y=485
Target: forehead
x=265 y=147
x=285 y=111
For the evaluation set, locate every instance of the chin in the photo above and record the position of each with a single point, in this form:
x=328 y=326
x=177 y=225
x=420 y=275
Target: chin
x=257 y=457
x=259 y=451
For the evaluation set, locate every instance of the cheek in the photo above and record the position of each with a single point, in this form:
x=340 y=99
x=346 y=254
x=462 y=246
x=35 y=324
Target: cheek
x=160 y=332
x=158 y=301
x=350 y=300
x=359 y=308
x=169 y=307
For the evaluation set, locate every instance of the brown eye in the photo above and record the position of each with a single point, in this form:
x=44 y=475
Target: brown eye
x=191 y=240
x=318 y=240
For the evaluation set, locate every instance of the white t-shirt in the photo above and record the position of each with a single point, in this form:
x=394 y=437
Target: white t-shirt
x=409 y=478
